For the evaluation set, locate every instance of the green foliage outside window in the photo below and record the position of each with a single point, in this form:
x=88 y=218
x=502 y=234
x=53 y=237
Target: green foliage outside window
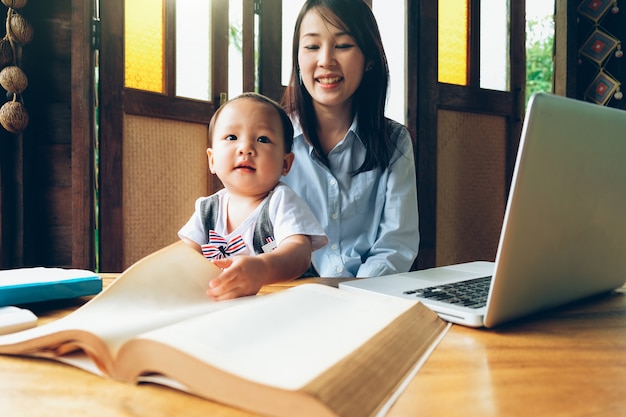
x=539 y=55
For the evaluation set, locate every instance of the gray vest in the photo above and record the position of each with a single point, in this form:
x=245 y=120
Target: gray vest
x=263 y=228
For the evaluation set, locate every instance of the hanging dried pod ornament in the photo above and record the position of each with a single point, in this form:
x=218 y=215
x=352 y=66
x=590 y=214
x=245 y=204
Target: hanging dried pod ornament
x=13 y=79
x=6 y=52
x=15 y=4
x=13 y=116
x=18 y=28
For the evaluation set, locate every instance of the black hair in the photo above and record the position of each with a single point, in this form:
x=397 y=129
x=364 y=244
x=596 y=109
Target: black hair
x=356 y=18
x=284 y=118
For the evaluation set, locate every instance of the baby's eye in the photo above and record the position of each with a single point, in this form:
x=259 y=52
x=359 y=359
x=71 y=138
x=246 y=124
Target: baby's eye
x=263 y=139
x=230 y=137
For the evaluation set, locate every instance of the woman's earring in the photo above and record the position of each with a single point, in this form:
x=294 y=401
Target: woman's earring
x=299 y=77
x=369 y=66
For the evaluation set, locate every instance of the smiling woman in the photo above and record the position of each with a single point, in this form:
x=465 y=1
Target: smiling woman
x=393 y=37
x=353 y=166
x=331 y=68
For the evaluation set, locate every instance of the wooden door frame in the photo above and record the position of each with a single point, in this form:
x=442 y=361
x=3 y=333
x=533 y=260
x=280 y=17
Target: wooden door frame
x=83 y=164
x=116 y=100
x=111 y=69
x=565 y=48
x=426 y=96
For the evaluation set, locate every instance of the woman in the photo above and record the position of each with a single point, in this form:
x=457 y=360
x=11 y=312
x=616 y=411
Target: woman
x=354 y=167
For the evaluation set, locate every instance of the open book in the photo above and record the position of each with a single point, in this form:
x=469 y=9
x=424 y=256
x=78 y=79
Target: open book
x=311 y=350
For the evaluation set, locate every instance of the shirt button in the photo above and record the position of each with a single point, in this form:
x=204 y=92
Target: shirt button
x=333 y=182
x=333 y=246
x=334 y=216
x=338 y=269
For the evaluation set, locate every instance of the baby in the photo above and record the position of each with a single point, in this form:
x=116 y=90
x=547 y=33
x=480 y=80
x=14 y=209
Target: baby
x=256 y=228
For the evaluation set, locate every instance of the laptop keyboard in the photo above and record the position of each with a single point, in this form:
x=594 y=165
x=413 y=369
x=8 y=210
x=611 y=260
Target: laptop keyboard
x=471 y=293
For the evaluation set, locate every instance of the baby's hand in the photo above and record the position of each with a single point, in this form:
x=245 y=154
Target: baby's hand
x=241 y=276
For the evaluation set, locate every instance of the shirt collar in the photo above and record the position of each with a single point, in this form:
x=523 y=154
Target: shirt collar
x=353 y=128
x=297 y=129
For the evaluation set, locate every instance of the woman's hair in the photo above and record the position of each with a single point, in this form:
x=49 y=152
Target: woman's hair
x=284 y=118
x=368 y=102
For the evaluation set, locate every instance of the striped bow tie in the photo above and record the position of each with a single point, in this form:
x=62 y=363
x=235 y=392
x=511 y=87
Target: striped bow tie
x=219 y=248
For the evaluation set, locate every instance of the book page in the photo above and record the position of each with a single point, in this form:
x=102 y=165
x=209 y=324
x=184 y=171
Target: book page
x=282 y=340
x=162 y=288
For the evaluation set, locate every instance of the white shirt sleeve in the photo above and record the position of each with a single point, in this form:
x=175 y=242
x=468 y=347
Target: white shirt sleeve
x=292 y=216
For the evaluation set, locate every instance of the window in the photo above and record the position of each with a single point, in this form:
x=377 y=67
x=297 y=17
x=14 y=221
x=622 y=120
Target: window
x=454 y=35
x=147 y=62
x=453 y=41
x=193 y=49
x=494 y=45
x=144 y=45
x=539 y=46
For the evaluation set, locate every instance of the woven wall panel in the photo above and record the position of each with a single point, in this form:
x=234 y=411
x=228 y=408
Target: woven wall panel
x=165 y=170
x=471 y=167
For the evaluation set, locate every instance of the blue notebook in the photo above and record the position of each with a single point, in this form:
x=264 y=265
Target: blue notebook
x=29 y=285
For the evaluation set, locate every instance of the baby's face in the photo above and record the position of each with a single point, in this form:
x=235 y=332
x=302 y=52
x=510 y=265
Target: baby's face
x=248 y=148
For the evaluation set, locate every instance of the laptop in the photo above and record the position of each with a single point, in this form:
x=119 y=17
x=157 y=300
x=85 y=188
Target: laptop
x=563 y=237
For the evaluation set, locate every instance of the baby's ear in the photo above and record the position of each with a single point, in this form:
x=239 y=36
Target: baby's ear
x=209 y=153
x=288 y=162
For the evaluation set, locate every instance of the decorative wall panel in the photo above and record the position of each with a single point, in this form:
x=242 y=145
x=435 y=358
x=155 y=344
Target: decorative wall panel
x=601 y=34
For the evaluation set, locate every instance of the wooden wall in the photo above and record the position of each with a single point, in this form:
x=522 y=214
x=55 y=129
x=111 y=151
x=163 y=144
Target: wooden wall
x=471 y=185
x=36 y=198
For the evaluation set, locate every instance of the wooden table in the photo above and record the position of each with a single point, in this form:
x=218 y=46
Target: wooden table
x=567 y=362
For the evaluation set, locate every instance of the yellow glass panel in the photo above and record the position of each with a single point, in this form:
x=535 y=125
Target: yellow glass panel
x=144 y=44
x=453 y=41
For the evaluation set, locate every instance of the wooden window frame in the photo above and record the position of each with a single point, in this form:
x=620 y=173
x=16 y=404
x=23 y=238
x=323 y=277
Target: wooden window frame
x=167 y=105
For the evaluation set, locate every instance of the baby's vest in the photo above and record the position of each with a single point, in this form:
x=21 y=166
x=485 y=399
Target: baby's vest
x=263 y=229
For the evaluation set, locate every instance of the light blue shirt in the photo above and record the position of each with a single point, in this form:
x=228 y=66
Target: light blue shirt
x=371 y=219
